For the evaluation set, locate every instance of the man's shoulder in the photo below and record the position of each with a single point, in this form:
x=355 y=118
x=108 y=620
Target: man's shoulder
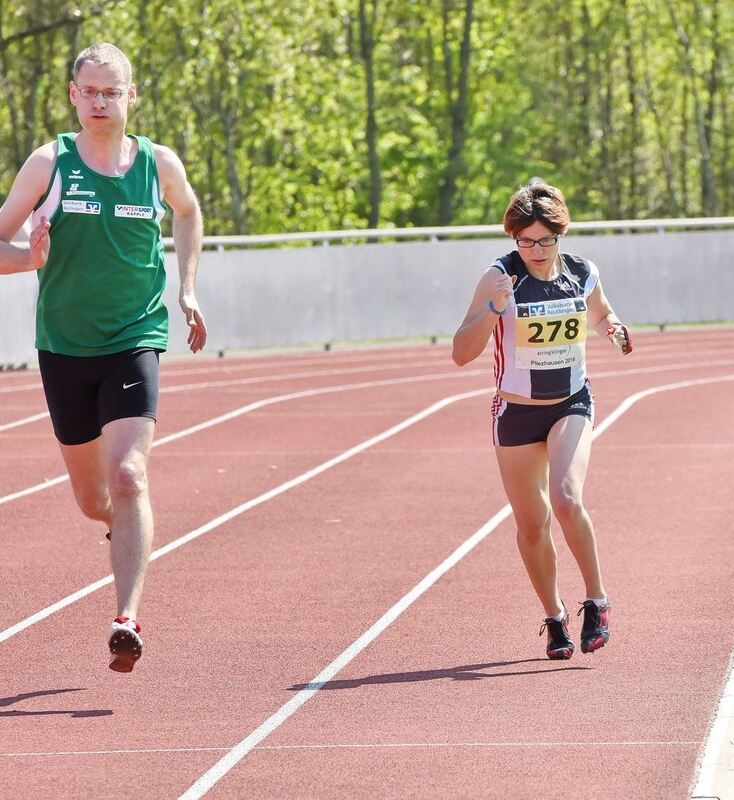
x=163 y=154
x=39 y=165
x=169 y=165
x=46 y=153
x=156 y=147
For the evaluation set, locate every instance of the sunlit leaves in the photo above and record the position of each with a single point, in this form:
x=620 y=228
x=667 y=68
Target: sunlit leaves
x=266 y=102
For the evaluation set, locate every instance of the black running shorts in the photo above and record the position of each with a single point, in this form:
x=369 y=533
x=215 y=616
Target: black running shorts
x=84 y=393
x=514 y=424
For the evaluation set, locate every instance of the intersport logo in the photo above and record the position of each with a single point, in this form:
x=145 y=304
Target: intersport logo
x=140 y=212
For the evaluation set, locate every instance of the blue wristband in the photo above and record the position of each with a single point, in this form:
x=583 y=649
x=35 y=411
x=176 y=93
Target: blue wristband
x=494 y=310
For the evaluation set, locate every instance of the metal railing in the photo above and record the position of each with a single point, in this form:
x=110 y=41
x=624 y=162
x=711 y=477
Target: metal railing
x=455 y=232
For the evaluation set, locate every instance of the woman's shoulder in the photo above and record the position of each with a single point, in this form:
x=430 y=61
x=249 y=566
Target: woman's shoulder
x=582 y=268
x=510 y=264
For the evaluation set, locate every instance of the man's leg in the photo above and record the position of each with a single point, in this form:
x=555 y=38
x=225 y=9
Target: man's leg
x=85 y=465
x=126 y=448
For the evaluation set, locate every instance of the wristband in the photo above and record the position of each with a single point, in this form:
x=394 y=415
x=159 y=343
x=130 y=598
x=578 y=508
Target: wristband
x=494 y=310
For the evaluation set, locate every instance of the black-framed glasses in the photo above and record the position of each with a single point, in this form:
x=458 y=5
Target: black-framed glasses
x=545 y=241
x=90 y=93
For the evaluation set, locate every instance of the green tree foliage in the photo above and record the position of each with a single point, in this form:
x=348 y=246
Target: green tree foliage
x=350 y=113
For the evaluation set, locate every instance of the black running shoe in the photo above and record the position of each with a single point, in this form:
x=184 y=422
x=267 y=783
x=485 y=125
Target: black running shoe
x=126 y=644
x=595 y=630
x=559 y=644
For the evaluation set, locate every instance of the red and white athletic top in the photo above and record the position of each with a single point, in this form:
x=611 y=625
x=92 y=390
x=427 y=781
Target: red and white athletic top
x=540 y=341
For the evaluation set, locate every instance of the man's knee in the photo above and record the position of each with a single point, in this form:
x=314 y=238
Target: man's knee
x=128 y=480
x=94 y=503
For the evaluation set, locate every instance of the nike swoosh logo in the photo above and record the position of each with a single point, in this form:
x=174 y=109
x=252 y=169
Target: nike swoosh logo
x=130 y=385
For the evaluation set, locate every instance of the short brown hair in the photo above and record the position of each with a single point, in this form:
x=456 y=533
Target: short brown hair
x=104 y=53
x=537 y=202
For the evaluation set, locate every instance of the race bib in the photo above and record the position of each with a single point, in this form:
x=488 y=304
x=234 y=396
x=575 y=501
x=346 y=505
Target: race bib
x=551 y=334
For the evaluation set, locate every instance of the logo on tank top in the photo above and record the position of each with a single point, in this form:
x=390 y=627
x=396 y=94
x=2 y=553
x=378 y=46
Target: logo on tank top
x=75 y=190
x=138 y=212
x=81 y=206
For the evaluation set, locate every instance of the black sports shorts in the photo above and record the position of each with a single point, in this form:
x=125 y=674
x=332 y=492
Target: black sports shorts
x=514 y=424
x=84 y=393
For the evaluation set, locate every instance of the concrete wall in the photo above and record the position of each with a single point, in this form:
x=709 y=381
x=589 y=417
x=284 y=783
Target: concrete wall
x=17 y=314
x=320 y=294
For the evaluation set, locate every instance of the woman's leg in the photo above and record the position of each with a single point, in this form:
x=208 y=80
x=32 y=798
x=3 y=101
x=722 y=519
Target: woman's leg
x=569 y=448
x=524 y=471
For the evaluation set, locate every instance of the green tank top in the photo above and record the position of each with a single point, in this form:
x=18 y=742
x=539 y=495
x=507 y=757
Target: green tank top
x=101 y=290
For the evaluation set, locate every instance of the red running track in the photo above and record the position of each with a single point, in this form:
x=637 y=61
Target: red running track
x=452 y=696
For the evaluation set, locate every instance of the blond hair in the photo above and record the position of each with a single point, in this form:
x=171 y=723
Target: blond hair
x=104 y=53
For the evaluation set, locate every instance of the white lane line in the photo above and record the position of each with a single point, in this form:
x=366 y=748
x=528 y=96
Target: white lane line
x=714 y=773
x=268 y=401
x=213 y=775
x=265 y=379
x=325 y=359
x=128 y=752
x=25 y=421
x=32 y=489
x=188 y=387
x=644 y=370
x=328 y=373
x=21 y=387
x=563 y=743
x=595 y=359
x=725 y=362
x=217 y=367
x=242 y=508
x=355 y=746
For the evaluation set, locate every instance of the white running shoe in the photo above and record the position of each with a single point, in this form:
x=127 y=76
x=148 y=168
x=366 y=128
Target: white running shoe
x=126 y=644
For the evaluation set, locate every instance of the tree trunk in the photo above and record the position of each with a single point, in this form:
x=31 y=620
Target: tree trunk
x=708 y=189
x=633 y=138
x=457 y=112
x=683 y=153
x=663 y=145
x=367 y=45
x=610 y=167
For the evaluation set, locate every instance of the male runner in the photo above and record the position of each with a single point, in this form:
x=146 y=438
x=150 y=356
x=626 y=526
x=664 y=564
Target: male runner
x=97 y=199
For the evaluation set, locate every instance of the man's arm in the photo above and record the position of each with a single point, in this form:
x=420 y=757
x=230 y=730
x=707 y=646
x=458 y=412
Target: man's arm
x=188 y=231
x=28 y=188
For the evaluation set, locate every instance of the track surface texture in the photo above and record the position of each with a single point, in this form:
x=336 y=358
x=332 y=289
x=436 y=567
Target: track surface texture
x=319 y=622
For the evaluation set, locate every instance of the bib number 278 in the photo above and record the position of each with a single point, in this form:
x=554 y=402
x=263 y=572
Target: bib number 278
x=570 y=330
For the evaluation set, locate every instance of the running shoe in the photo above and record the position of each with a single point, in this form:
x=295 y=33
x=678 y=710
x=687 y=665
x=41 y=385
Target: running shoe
x=126 y=644
x=595 y=630
x=559 y=644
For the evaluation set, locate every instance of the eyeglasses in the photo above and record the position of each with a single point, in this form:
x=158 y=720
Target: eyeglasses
x=90 y=93
x=546 y=241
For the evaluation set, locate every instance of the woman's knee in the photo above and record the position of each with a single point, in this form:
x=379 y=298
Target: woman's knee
x=533 y=531
x=567 y=505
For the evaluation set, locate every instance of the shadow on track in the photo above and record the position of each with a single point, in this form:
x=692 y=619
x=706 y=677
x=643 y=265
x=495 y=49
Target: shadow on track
x=468 y=672
x=9 y=701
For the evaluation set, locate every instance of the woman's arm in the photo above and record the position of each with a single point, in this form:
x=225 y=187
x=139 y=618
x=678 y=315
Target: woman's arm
x=473 y=334
x=605 y=322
